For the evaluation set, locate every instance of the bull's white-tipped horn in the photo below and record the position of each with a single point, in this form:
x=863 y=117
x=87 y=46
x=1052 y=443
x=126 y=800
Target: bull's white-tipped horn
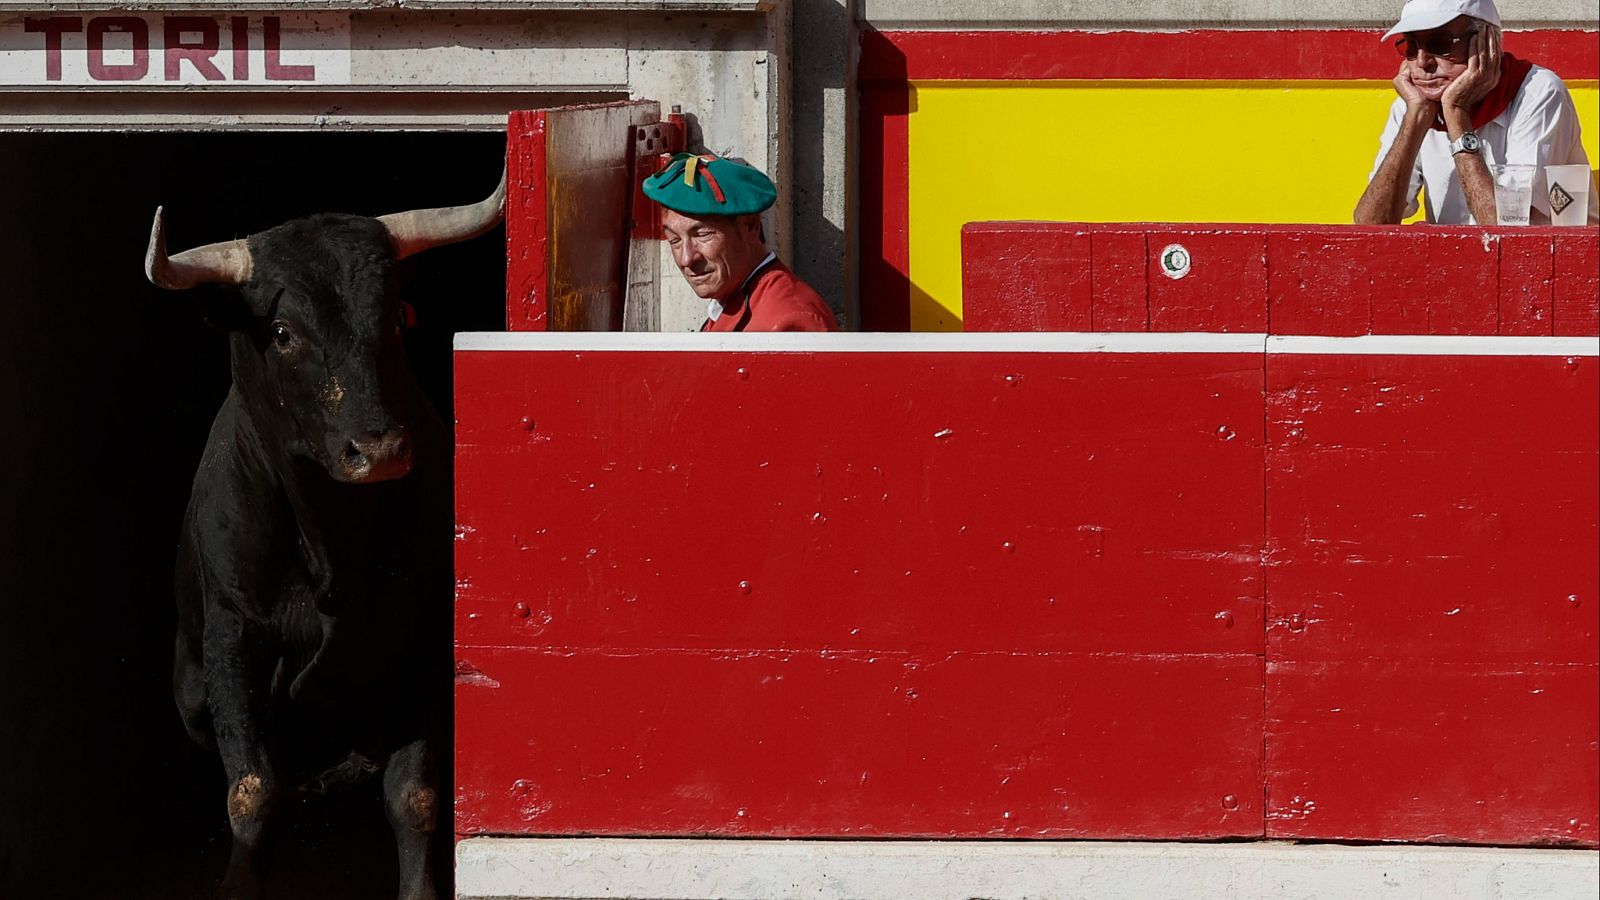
x=227 y=262
x=421 y=229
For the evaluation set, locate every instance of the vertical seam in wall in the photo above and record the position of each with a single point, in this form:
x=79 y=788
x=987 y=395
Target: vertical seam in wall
x=1266 y=541
x=1147 y=320
x=1093 y=303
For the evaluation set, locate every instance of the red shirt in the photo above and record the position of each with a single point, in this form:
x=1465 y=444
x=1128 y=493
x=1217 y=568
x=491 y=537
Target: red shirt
x=774 y=299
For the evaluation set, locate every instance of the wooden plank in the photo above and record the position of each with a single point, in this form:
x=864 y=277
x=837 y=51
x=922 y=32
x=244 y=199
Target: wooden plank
x=1414 y=750
x=527 y=223
x=1435 y=507
x=1319 y=283
x=1121 y=268
x=1030 y=279
x=1527 y=266
x=1577 y=282
x=1026 y=529
x=1461 y=282
x=1223 y=285
x=1349 y=281
x=836 y=744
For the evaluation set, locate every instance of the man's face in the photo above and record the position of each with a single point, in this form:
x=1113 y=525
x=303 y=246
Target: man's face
x=714 y=253
x=1439 y=56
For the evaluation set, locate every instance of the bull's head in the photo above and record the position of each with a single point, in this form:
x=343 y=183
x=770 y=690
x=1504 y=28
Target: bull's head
x=317 y=348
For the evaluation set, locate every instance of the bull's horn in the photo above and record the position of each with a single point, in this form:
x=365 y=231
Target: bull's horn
x=421 y=229
x=227 y=262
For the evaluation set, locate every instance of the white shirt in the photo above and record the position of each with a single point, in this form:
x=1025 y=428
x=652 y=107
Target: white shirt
x=1539 y=128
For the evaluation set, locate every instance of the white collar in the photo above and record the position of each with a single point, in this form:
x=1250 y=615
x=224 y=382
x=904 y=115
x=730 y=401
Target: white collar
x=765 y=261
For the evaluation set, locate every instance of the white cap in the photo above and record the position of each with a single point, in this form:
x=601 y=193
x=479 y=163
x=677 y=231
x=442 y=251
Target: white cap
x=1423 y=15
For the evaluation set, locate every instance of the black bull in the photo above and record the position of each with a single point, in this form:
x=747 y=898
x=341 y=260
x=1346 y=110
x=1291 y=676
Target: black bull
x=313 y=574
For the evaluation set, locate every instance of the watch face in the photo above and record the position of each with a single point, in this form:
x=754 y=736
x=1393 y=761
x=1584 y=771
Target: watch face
x=1470 y=142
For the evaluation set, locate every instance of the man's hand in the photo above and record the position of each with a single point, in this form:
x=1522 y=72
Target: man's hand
x=1417 y=106
x=1471 y=86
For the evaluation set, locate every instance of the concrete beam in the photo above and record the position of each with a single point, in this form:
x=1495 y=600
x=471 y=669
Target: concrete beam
x=623 y=869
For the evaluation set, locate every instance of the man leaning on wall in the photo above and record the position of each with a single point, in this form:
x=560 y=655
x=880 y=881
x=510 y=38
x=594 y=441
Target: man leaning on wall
x=1464 y=105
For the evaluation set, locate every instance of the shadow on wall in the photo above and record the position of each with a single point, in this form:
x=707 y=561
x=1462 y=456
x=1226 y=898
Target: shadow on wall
x=824 y=38
x=106 y=392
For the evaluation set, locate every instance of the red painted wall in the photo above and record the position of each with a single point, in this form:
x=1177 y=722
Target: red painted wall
x=1431 y=623
x=698 y=596
x=1028 y=594
x=1286 y=279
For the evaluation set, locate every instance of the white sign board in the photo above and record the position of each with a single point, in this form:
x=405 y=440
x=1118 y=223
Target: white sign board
x=120 y=49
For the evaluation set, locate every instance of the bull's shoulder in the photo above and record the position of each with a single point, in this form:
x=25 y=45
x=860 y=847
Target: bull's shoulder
x=239 y=528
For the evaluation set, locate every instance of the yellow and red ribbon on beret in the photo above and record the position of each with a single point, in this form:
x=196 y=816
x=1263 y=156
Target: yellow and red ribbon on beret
x=692 y=167
x=707 y=185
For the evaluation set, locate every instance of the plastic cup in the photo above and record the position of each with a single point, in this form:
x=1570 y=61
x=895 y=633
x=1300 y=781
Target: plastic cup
x=1513 y=193
x=1569 y=194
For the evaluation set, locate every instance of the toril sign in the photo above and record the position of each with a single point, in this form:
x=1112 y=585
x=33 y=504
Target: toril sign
x=133 y=49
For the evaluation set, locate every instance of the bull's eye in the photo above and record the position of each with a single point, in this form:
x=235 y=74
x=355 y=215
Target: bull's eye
x=281 y=335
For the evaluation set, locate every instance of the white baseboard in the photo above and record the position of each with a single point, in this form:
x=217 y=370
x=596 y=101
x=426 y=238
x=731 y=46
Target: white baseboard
x=645 y=869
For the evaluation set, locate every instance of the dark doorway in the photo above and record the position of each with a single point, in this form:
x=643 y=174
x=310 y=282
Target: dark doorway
x=107 y=388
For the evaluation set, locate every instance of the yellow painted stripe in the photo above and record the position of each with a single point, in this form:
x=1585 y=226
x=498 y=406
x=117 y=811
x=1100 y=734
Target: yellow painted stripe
x=1135 y=151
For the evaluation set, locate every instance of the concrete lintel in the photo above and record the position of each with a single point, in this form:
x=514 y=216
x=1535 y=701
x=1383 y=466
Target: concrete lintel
x=645 y=869
x=541 y=6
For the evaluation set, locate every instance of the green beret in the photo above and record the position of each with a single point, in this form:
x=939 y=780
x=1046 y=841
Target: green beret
x=710 y=186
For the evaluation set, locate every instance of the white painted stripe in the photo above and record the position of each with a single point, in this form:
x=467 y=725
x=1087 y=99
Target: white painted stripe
x=563 y=868
x=1027 y=342
x=1436 y=345
x=863 y=342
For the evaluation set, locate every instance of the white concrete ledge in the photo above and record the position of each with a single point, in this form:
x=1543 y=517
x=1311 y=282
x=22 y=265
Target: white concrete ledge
x=643 y=869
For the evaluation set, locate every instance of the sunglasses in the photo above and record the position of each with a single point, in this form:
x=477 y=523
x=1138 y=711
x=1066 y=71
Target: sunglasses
x=1436 y=43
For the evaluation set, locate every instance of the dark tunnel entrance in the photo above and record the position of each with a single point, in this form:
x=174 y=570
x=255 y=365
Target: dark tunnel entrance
x=107 y=389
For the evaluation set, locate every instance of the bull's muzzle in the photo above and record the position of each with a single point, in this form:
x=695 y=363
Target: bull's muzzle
x=375 y=456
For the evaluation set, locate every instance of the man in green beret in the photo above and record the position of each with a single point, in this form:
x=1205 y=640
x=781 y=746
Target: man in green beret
x=711 y=218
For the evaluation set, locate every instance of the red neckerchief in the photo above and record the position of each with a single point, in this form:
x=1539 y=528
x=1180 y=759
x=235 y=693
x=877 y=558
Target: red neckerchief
x=1512 y=73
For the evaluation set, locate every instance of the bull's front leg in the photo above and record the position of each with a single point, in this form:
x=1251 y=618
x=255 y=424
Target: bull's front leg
x=412 y=800
x=238 y=683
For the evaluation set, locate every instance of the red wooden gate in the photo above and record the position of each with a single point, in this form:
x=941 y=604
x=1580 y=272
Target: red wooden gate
x=573 y=253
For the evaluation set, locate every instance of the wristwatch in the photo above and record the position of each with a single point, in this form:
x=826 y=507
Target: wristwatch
x=1467 y=143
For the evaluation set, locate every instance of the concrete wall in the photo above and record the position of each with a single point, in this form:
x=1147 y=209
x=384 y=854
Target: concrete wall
x=823 y=143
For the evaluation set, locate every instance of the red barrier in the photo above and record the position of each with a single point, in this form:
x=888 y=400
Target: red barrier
x=1318 y=280
x=1014 y=586
x=1432 y=619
